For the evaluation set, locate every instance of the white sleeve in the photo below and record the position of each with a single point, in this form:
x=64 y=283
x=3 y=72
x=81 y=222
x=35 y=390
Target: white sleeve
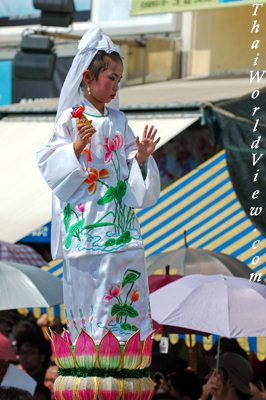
x=58 y=163
x=141 y=192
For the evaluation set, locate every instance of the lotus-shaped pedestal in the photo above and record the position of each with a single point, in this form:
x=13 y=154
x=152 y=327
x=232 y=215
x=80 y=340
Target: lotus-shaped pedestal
x=107 y=371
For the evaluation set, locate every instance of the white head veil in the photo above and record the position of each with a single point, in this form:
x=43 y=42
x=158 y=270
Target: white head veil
x=90 y=43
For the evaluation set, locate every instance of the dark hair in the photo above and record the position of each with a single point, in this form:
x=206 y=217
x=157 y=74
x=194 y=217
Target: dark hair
x=11 y=393
x=42 y=392
x=101 y=62
x=187 y=384
x=36 y=340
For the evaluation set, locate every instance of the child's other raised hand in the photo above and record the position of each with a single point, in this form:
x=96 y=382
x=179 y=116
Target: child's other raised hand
x=147 y=145
x=85 y=133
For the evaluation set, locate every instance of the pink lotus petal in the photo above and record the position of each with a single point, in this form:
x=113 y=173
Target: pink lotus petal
x=115 y=290
x=88 y=388
x=131 y=389
x=108 y=156
x=57 y=387
x=118 y=139
x=81 y=207
x=109 y=389
x=68 y=394
x=133 y=352
x=67 y=337
x=146 y=388
x=147 y=351
x=85 y=350
x=112 y=145
x=62 y=351
x=64 y=388
x=109 y=352
x=106 y=147
x=108 y=297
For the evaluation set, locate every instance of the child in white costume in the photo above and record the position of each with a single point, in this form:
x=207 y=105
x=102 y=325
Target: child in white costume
x=98 y=173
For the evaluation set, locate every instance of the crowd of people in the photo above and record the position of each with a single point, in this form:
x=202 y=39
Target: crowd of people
x=24 y=344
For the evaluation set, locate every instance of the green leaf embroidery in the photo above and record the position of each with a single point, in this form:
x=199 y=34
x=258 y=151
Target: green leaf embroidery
x=134 y=328
x=130 y=276
x=67 y=216
x=124 y=238
x=120 y=190
x=110 y=242
x=124 y=310
x=125 y=326
x=128 y=327
x=73 y=229
x=107 y=197
x=97 y=225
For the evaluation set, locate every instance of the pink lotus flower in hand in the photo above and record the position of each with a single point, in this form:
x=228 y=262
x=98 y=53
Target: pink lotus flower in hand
x=111 y=145
x=114 y=291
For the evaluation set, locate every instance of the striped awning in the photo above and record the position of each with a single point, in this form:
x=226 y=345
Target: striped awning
x=204 y=204
x=250 y=345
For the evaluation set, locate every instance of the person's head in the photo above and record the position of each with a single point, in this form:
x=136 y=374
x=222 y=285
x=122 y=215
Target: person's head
x=11 y=393
x=42 y=392
x=236 y=373
x=186 y=385
x=50 y=376
x=101 y=80
x=34 y=352
x=8 y=318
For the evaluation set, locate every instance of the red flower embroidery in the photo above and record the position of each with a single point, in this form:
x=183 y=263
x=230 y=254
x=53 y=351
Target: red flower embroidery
x=135 y=295
x=93 y=175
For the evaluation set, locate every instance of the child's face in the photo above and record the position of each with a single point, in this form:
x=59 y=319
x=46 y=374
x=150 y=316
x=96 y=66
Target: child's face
x=104 y=89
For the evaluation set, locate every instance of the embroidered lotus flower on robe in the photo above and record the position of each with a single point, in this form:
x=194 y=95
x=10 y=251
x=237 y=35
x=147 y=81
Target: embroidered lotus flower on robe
x=81 y=207
x=95 y=176
x=114 y=291
x=111 y=146
x=119 y=218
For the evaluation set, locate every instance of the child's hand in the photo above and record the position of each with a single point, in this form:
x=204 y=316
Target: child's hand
x=147 y=145
x=85 y=133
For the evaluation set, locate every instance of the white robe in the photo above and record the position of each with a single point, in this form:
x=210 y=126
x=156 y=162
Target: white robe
x=94 y=227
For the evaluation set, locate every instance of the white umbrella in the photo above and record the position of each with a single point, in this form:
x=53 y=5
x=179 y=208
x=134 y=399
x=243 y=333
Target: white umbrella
x=222 y=305
x=188 y=261
x=23 y=285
